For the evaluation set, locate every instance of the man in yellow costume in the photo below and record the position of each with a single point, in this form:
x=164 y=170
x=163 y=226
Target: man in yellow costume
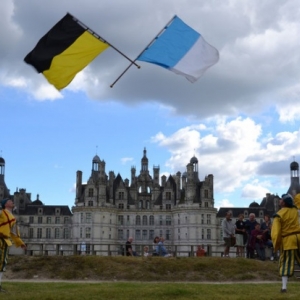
x=8 y=232
x=286 y=238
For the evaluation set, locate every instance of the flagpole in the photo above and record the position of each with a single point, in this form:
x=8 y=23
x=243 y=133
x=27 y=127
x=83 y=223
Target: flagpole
x=101 y=39
x=133 y=62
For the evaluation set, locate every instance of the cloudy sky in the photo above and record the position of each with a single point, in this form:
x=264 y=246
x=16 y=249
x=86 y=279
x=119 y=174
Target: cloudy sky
x=241 y=119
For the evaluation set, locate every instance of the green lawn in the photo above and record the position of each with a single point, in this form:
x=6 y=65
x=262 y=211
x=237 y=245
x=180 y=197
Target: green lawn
x=145 y=291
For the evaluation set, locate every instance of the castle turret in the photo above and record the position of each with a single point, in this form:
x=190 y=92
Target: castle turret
x=4 y=191
x=295 y=186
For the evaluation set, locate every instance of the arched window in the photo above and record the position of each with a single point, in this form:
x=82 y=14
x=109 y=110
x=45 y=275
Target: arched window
x=148 y=204
x=151 y=220
x=138 y=220
x=145 y=220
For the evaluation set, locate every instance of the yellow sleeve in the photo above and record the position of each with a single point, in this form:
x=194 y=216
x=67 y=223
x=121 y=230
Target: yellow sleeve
x=17 y=241
x=276 y=233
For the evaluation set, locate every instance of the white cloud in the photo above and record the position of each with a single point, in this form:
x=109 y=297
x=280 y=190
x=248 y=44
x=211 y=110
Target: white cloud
x=223 y=203
x=255 y=190
x=124 y=160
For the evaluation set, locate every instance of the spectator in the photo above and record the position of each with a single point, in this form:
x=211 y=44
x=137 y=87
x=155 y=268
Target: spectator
x=250 y=225
x=146 y=251
x=228 y=233
x=266 y=228
x=240 y=232
x=200 y=251
x=128 y=248
x=266 y=224
x=161 y=249
x=155 y=242
x=257 y=242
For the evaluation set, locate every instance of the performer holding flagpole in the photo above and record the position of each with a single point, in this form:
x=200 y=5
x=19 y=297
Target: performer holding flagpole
x=286 y=238
x=8 y=231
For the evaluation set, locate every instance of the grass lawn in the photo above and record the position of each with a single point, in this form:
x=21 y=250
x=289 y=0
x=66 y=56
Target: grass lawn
x=145 y=291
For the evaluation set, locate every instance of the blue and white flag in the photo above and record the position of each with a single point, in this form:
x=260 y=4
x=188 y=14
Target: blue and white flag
x=181 y=50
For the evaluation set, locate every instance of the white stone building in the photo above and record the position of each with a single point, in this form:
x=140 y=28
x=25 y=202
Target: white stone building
x=109 y=209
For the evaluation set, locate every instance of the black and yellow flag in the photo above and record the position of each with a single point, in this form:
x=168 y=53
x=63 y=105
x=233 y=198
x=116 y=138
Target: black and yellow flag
x=64 y=51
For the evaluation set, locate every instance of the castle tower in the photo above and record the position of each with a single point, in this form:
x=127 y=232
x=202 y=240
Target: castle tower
x=295 y=186
x=144 y=163
x=4 y=191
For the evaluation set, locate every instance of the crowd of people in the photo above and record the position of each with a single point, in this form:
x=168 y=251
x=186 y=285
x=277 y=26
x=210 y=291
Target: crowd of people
x=247 y=235
x=282 y=237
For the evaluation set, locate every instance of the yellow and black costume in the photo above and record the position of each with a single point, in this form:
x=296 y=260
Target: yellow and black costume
x=286 y=238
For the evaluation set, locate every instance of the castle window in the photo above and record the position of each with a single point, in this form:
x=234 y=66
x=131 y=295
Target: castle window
x=121 y=205
x=151 y=220
x=138 y=220
x=66 y=220
x=168 y=220
x=160 y=220
x=57 y=220
x=40 y=220
x=39 y=233
x=120 y=220
x=140 y=204
x=168 y=234
x=168 y=195
x=147 y=204
x=56 y=233
x=88 y=218
x=145 y=235
x=205 y=204
x=208 y=234
x=88 y=232
x=31 y=220
x=121 y=195
x=137 y=234
x=208 y=221
x=145 y=219
x=90 y=203
x=66 y=233
x=120 y=234
x=151 y=234
x=205 y=193
x=91 y=192
x=168 y=206
x=30 y=233
x=48 y=220
x=48 y=233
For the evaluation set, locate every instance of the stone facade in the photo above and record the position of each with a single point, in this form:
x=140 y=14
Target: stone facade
x=109 y=209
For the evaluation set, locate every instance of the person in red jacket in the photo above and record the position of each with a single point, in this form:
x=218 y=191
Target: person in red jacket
x=8 y=233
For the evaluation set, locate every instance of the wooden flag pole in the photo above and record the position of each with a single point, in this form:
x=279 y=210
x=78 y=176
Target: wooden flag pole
x=102 y=40
x=133 y=62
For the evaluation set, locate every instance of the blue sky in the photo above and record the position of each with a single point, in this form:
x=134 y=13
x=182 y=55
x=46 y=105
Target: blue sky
x=241 y=119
